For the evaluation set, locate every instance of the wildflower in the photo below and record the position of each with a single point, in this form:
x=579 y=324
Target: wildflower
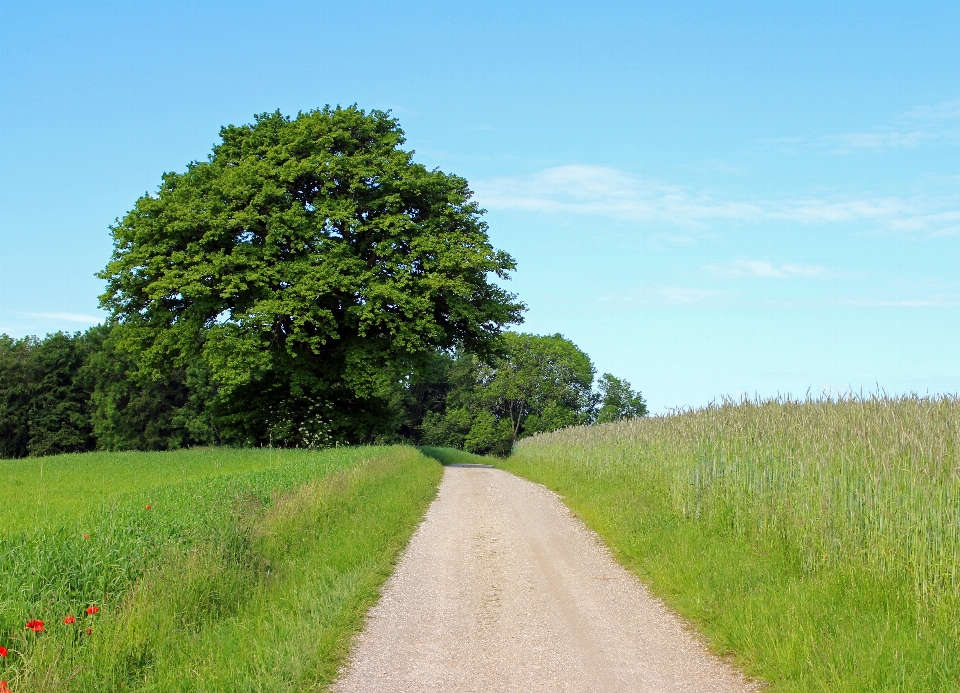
x=35 y=626
x=92 y=610
x=86 y=536
x=3 y=687
x=3 y=651
x=89 y=632
x=69 y=619
x=148 y=507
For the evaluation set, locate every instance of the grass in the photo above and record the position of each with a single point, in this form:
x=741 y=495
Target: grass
x=52 y=490
x=250 y=571
x=816 y=543
x=447 y=456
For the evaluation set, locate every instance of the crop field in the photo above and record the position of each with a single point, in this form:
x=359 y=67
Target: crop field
x=817 y=543
x=203 y=569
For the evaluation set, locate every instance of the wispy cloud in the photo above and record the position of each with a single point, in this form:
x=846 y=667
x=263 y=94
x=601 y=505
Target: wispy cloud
x=664 y=296
x=937 y=223
x=940 y=300
x=607 y=192
x=911 y=129
x=943 y=111
x=610 y=193
x=67 y=317
x=897 y=303
x=674 y=296
x=878 y=139
x=937 y=124
x=684 y=295
x=762 y=269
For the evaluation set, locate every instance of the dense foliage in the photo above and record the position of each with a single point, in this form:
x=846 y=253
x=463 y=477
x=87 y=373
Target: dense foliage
x=80 y=392
x=304 y=269
x=618 y=401
x=308 y=285
x=45 y=395
x=536 y=384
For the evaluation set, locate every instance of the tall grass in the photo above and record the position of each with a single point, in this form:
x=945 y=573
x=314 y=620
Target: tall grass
x=249 y=571
x=818 y=542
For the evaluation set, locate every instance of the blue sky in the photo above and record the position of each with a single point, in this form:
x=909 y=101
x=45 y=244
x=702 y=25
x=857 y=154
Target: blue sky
x=709 y=198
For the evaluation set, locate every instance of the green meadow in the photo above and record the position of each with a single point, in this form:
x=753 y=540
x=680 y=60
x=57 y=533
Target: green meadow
x=212 y=569
x=815 y=543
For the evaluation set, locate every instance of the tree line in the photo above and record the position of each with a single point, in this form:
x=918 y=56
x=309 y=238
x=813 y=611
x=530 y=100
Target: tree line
x=78 y=393
x=307 y=285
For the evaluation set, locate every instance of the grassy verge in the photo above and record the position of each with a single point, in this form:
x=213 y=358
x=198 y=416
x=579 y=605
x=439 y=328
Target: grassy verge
x=250 y=578
x=447 y=456
x=817 y=543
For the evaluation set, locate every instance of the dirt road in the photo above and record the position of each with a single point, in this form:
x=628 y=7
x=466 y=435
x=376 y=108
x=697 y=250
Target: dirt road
x=501 y=589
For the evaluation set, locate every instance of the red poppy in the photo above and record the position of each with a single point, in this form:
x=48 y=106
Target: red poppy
x=3 y=651
x=89 y=631
x=92 y=610
x=69 y=619
x=35 y=626
x=86 y=536
x=148 y=507
x=3 y=687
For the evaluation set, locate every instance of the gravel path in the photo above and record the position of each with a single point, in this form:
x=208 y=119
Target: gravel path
x=501 y=589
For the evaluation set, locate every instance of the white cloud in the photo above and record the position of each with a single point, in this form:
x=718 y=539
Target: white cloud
x=685 y=296
x=762 y=269
x=610 y=193
x=939 y=223
x=939 y=124
x=948 y=231
x=67 y=317
x=929 y=301
x=896 y=303
x=882 y=139
x=811 y=210
x=664 y=296
x=671 y=296
x=943 y=111
x=913 y=128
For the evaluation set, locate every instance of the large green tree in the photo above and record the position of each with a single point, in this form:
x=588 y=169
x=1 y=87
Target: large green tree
x=307 y=267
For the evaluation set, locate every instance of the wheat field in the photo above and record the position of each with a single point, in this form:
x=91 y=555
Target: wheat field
x=838 y=512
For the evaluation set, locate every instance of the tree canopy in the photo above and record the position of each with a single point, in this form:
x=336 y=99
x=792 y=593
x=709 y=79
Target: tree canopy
x=618 y=401
x=536 y=384
x=45 y=395
x=79 y=392
x=305 y=268
x=308 y=284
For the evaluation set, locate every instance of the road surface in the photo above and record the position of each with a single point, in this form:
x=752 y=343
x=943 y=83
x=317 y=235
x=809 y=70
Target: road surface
x=502 y=589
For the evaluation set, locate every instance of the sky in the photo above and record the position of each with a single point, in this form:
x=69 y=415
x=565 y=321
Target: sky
x=712 y=199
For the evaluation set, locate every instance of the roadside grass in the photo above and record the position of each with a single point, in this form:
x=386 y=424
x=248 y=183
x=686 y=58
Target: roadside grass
x=254 y=578
x=447 y=456
x=815 y=543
